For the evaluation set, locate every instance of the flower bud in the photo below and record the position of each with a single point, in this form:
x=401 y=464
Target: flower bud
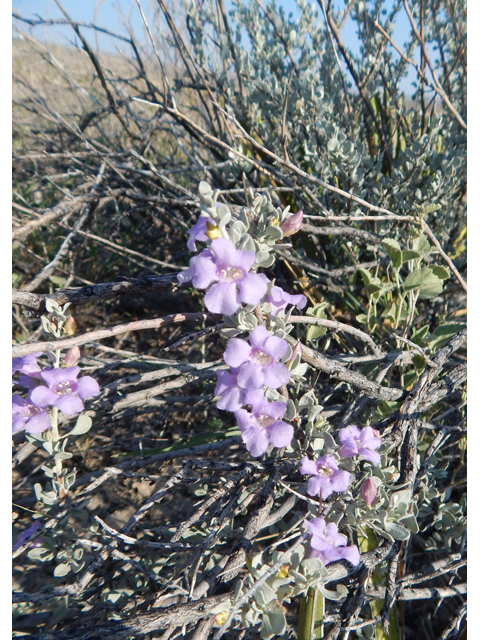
x=297 y=350
x=70 y=327
x=213 y=231
x=72 y=357
x=293 y=224
x=369 y=491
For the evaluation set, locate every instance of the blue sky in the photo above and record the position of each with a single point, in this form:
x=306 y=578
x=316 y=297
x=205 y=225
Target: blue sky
x=109 y=14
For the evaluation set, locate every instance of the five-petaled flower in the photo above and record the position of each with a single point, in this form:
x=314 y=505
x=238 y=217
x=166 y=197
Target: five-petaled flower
x=262 y=427
x=279 y=299
x=27 y=366
x=363 y=443
x=229 y=269
x=329 y=545
x=64 y=391
x=326 y=476
x=27 y=415
x=256 y=364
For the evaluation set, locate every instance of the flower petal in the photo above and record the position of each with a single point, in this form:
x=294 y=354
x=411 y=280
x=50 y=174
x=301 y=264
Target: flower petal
x=253 y=287
x=372 y=456
x=88 y=387
x=204 y=271
x=250 y=376
x=275 y=347
x=350 y=553
x=319 y=484
x=349 y=432
x=38 y=423
x=340 y=481
x=256 y=441
x=237 y=352
x=349 y=449
x=280 y=434
x=42 y=396
x=308 y=467
x=258 y=337
x=244 y=419
x=223 y=298
x=69 y=404
x=275 y=375
x=54 y=376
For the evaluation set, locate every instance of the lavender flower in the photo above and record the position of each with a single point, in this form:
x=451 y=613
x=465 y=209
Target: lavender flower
x=369 y=491
x=27 y=415
x=329 y=545
x=64 y=391
x=356 y=442
x=199 y=232
x=256 y=364
x=279 y=299
x=262 y=427
x=232 y=396
x=326 y=479
x=27 y=365
x=228 y=268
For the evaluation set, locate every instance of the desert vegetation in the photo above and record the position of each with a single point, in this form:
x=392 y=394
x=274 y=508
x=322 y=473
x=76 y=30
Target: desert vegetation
x=239 y=322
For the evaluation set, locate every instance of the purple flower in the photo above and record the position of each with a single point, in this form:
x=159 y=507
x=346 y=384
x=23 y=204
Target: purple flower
x=25 y=535
x=262 y=427
x=232 y=396
x=326 y=479
x=329 y=545
x=369 y=491
x=356 y=442
x=228 y=268
x=27 y=415
x=64 y=391
x=256 y=364
x=293 y=224
x=27 y=365
x=279 y=299
x=198 y=232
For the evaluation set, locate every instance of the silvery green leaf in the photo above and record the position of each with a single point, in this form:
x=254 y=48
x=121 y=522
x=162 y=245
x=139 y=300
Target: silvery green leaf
x=397 y=531
x=246 y=243
x=311 y=566
x=51 y=305
x=291 y=411
x=409 y=254
x=411 y=523
x=41 y=554
x=330 y=444
x=274 y=232
x=422 y=245
x=46 y=325
x=238 y=590
x=47 y=471
x=63 y=455
x=277 y=622
x=82 y=425
x=332 y=595
x=393 y=249
x=48 y=446
x=264 y=594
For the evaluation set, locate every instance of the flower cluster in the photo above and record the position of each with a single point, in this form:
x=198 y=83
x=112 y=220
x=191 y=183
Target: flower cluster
x=226 y=270
x=48 y=387
x=227 y=275
x=326 y=478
